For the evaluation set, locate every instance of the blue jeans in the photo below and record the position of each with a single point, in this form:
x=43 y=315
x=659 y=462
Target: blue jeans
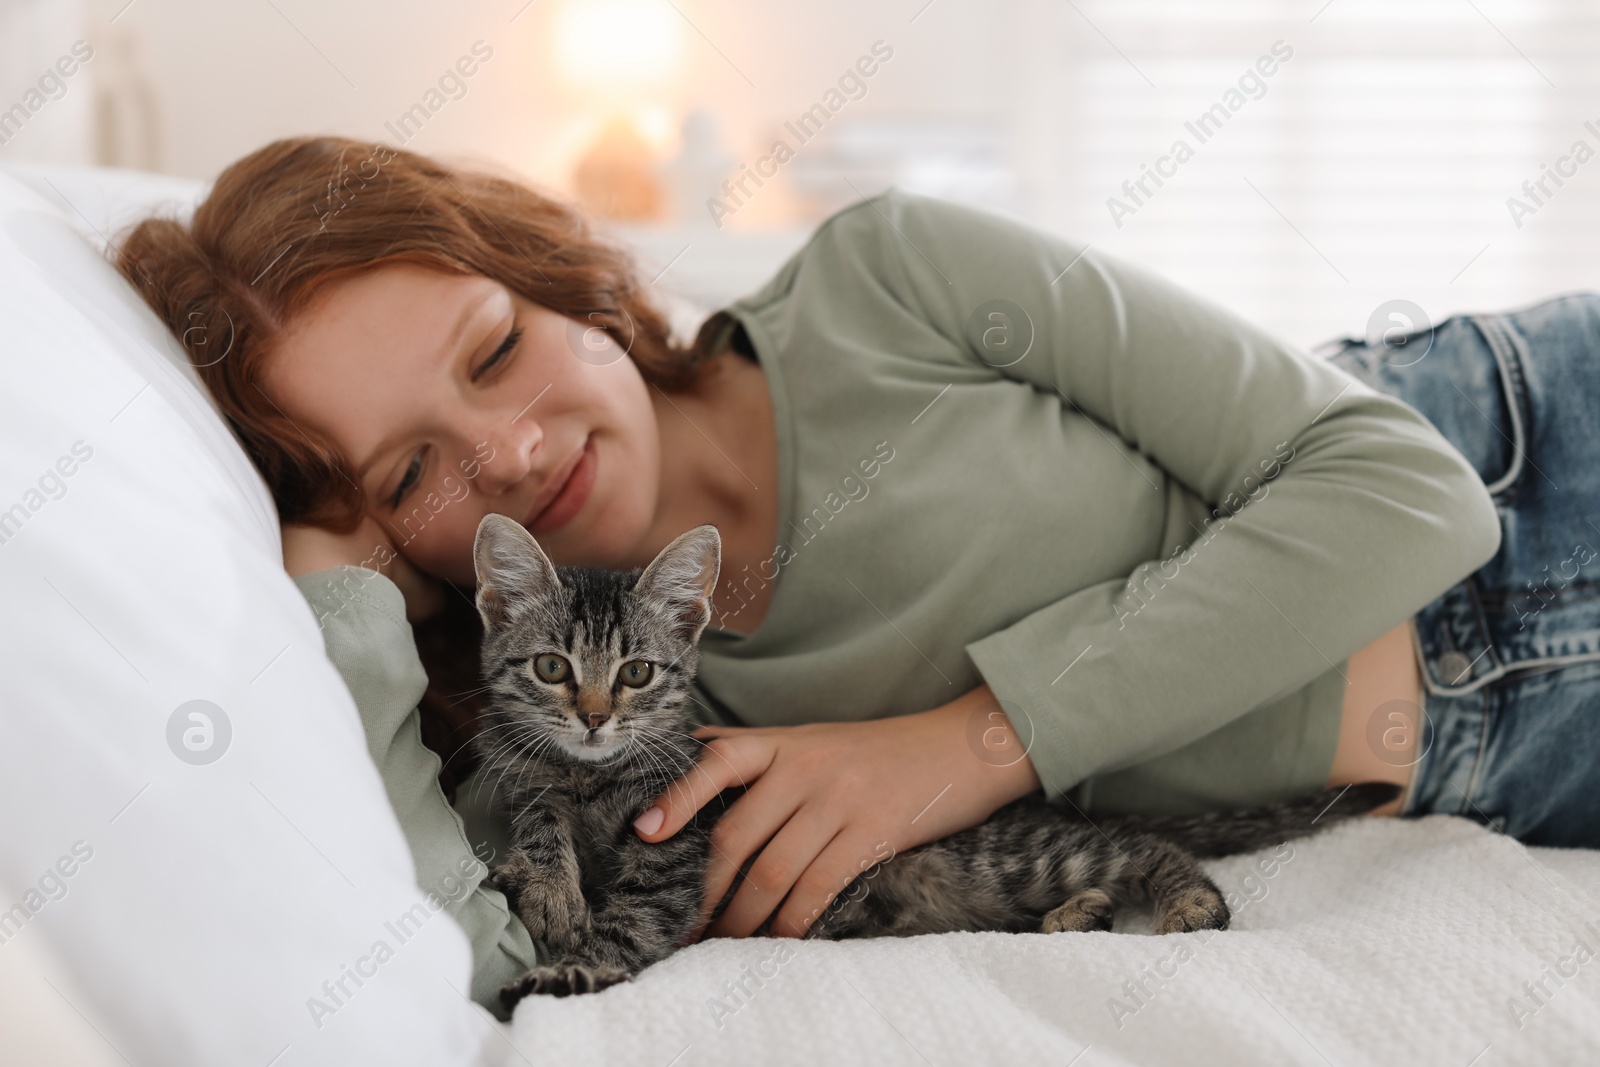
x=1510 y=656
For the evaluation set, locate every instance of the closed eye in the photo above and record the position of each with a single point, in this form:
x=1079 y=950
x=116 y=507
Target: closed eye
x=412 y=475
x=414 y=470
x=504 y=350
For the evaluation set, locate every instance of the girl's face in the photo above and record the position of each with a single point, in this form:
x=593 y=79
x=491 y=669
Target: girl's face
x=451 y=398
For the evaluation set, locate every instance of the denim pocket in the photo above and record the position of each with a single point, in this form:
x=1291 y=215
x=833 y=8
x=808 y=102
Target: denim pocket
x=1465 y=376
x=1532 y=386
x=1509 y=350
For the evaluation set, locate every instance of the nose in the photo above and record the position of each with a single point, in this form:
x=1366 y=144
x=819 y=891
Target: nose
x=594 y=707
x=511 y=443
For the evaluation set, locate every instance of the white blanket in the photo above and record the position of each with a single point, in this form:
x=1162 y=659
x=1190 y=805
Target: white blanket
x=1380 y=942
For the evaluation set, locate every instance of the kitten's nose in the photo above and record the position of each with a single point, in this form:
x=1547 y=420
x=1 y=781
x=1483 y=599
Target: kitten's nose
x=593 y=708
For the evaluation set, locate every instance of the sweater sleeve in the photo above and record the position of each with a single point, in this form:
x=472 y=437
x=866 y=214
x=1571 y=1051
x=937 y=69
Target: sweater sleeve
x=1336 y=510
x=369 y=641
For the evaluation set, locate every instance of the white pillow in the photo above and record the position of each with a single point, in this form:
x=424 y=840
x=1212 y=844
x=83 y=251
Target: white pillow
x=197 y=908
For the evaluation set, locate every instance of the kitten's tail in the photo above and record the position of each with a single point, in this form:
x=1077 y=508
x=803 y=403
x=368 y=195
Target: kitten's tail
x=1226 y=833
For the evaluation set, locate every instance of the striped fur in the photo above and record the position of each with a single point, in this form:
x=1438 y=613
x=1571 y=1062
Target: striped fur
x=580 y=753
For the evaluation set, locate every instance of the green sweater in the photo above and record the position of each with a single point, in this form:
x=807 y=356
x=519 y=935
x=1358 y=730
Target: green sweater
x=1154 y=530
x=364 y=629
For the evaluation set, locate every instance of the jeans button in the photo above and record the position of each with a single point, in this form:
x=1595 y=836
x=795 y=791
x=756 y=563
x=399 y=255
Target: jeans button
x=1453 y=667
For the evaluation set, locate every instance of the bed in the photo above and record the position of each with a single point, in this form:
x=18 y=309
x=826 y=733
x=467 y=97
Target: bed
x=1429 y=942
x=218 y=896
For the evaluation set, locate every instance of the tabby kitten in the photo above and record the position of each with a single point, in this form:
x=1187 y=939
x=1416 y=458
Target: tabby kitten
x=589 y=721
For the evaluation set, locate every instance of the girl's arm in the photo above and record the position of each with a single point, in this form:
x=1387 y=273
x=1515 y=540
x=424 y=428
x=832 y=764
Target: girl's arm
x=1338 y=511
x=362 y=613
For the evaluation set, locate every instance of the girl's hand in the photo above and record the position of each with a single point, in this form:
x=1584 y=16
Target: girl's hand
x=311 y=548
x=828 y=800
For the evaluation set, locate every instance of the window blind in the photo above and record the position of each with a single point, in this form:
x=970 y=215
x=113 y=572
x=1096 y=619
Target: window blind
x=1377 y=161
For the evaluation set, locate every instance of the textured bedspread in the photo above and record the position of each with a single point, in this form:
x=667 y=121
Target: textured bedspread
x=1430 y=942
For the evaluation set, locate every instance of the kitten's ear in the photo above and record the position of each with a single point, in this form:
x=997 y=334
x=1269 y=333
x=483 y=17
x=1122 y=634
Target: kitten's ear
x=681 y=579
x=512 y=570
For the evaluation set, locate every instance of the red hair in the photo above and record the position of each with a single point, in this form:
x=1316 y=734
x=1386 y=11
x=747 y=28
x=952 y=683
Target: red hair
x=286 y=220
x=281 y=224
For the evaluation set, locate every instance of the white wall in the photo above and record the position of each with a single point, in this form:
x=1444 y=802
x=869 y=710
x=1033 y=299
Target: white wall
x=1378 y=165
x=232 y=76
x=55 y=120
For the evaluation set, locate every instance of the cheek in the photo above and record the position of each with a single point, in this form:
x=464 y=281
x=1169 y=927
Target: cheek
x=631 y=480
x=443 y=545
x=622 y=399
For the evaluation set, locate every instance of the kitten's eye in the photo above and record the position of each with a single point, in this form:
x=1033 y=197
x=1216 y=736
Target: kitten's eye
x=552 y=668
x=636 y=673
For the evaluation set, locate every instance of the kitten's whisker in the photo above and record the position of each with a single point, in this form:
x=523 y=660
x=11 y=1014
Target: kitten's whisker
x=469 y=694
x=525 y=808
x=500 y=770
x=524 y=731
x=673 y=740
x=521 y=763
x=475 y=744
x=526 y=765
x=707 y=746
x=660 y=765
x=671 y=780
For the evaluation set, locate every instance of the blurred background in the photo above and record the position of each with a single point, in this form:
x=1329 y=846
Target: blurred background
x=1313 y=160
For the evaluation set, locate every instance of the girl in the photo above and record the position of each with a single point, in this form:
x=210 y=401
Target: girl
x=998 y=514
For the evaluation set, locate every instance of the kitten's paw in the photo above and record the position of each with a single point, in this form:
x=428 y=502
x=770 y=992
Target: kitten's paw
x=549 y=902
x=1091 y=909
x=507 y=882
x=560 y=980
x=512 y=876
x=1198 y=909
x=556 y=914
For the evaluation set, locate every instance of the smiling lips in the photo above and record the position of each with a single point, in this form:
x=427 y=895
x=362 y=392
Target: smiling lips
x=576 y=483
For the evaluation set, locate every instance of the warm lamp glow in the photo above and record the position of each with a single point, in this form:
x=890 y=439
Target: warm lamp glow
x=614 y=47
x=656 y=124
x=616 y=177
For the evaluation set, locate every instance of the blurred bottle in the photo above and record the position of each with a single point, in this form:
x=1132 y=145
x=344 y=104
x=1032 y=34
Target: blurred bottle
x=126 y=115
x=697 y=172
